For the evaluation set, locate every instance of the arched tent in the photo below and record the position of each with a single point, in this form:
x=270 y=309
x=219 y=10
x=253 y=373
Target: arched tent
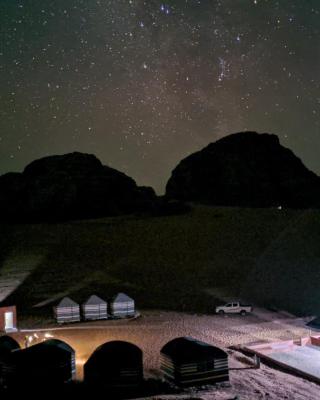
x=115 y=364
x=7 y=346
x=122 y=306
x=67 y=311
x=50 y=363
x=94 y=308
x=188 y=362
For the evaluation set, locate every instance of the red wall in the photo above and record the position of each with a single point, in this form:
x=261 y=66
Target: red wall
x=315 y=341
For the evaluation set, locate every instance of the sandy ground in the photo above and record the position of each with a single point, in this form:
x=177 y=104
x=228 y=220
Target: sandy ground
x=154 y=329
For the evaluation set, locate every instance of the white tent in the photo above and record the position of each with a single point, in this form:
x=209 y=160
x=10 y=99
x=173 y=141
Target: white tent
x=94 y=308
x=67 y=311
x=122 y=306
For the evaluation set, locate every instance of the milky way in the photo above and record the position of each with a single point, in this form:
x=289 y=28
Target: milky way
x=142 y=84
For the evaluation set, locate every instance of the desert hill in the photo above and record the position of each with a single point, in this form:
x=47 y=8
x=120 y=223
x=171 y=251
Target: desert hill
x=245 y=169
x=69 y=186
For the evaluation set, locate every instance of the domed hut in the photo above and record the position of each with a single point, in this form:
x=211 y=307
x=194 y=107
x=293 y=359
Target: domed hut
x=189 y=362
x=7 y=346
x=115 y=364
x=122 y=306
x=94 y=308
x=50 y=363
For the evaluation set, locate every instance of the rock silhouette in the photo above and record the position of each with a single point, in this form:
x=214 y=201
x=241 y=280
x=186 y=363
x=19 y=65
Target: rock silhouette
x=70 y=186
x=245 y=169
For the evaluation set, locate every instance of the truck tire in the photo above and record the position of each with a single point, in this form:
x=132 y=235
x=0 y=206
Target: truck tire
x=243 y=312
x=221 y=312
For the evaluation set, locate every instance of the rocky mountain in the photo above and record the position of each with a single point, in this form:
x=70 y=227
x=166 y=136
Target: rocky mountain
x=70 y=186
x=245 y=169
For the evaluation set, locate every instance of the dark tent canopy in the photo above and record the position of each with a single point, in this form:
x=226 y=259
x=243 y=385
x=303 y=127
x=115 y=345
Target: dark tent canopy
x=48 y=362
x=115 y=363
x=186 y=349
x=8 y=344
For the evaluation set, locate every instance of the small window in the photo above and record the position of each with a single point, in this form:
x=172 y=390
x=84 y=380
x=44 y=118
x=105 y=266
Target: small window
x=229 y=305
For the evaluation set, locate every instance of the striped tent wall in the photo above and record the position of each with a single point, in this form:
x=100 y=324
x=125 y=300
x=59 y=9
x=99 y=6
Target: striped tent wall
x=122 y=306
x=67 y=311
x=7 y=371
x=201 y=370
x=95 y=308
x=71 y=365
x=196 y=373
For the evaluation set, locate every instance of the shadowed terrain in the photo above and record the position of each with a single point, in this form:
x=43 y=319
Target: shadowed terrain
x=174 y=263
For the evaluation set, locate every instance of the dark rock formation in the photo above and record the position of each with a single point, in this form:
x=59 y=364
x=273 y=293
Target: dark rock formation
x=245 y=169
x=70 y=186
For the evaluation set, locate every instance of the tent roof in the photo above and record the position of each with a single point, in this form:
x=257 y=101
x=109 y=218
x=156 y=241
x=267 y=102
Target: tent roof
x=57 y=343
x=44 y=352
x=121 y=297
x=116 y=352
x=67 y=302
x=8 y=344
x=188 y=349
x=92 y=300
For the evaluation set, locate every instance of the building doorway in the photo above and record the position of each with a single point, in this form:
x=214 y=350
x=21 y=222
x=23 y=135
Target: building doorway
x=8 y=321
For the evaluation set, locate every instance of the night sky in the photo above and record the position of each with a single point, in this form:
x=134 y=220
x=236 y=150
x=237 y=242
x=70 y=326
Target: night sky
x=142 y=84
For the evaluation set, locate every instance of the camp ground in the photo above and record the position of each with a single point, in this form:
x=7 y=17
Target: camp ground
x=205 y=342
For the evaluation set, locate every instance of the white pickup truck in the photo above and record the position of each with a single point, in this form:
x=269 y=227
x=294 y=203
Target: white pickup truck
x=234 y=308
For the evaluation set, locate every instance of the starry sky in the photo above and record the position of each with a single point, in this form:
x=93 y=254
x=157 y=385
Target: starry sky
x=142 y=84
